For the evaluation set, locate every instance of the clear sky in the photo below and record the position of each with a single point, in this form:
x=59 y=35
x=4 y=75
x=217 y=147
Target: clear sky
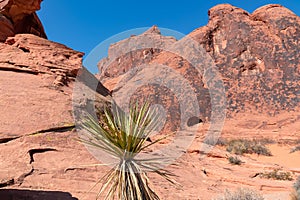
x=82 y=25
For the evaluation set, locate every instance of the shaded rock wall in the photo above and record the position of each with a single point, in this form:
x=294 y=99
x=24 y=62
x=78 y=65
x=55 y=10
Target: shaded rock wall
x=17 y=16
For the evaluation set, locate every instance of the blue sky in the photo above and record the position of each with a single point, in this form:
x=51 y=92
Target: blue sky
x=82 y=26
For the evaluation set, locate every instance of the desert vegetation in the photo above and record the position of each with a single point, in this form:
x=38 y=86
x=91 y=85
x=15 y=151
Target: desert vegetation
x=297 y=148
x=123 y=136
x=296 y=194
x=276 y=174
x=243 y=146
x=234 y=160
x=241 y=194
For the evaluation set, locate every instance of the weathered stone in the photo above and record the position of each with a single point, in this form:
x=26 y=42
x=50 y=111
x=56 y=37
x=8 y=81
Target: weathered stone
x=116 y=65
x=19 y=16
x=6 y=28
x=36 y=91
x=256 y=55
x=37 y=76
x=40 y=157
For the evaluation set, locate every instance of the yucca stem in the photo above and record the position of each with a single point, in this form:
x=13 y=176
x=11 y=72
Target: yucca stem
x=143 y=192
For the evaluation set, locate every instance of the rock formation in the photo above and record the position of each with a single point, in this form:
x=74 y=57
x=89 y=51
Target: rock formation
x=256 y=55
x=34 y=70
x=17 y=16
x=36 y=88
x=116 y=65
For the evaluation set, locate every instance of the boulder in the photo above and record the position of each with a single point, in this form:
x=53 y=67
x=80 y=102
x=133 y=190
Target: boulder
x=38 y=142
x=18 y=16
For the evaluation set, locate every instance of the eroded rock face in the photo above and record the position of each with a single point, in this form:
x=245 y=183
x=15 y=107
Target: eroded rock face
x=122 y=59
x=38 y=146
x=115 y=65
x=17 y=16
x=6 y=28
x=37 y=76
x=256 y=55
x=36 y=90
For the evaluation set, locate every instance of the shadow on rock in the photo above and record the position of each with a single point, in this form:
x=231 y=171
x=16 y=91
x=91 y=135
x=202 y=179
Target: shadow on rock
x=13 y=194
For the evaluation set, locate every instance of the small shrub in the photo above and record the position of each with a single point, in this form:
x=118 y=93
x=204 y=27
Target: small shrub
x=296 y=194
x=238 y=147
x=234 y=160
x=241 y=147
x=241 y=194
x=297 y=184
x=265 y=141
x=214 y=141
x=297 y=148
x=222 y=142
x=261 y=149
x=277 y=175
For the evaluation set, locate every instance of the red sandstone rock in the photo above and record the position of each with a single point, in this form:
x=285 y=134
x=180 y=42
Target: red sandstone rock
x=6 y=28
x=257 y=55
x=17 y=16
x=115 y=65
x=36 y=90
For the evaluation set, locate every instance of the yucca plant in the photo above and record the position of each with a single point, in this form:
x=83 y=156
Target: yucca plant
x=123 y=136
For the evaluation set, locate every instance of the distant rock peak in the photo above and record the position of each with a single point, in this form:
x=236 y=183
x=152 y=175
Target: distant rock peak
x=153 y=30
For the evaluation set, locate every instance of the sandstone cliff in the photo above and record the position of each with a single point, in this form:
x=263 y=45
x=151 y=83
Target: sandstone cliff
x=257 y=55
x=17 y=16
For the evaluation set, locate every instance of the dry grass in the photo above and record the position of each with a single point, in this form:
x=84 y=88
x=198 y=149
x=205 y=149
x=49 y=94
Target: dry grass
x=242 y=146
x=241 y=194
x=297 y=148
x=234 y=160
x=277 y=175
x=296 y=194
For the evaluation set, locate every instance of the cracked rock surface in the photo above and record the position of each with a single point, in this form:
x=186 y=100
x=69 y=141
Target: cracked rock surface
x=31 y=97
x=256 y=54
x=41 y=158
x=37 y=138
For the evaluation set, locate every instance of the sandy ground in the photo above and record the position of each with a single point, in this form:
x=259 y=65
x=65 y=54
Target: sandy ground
x=201 y=176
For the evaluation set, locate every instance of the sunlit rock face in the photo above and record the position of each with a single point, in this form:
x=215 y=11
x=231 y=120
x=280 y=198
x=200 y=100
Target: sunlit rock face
x=256 y=54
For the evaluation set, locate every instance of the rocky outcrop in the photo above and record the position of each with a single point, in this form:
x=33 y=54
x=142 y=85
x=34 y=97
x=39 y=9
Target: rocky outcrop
x=256 y=55
x=36 y=89
x=41 y=157
x=36 y=75
x=115 y=65
x=6 y=28
x=17 y=16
